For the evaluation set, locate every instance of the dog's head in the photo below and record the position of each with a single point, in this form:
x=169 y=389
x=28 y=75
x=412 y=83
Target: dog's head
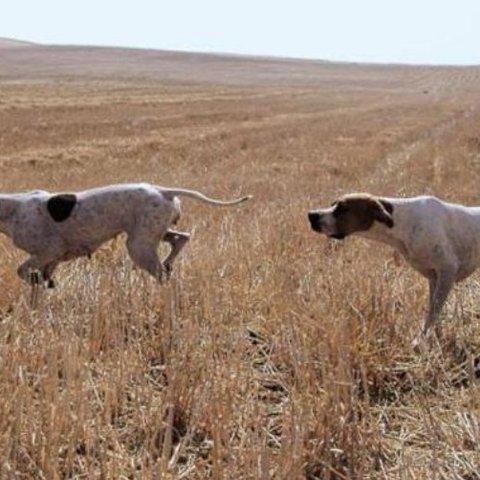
x=356 y=212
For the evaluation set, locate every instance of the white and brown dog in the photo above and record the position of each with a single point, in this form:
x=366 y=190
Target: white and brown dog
x=440 y=240
x=61 y=226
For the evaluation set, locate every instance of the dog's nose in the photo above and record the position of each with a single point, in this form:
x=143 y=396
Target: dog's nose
x=314 y=219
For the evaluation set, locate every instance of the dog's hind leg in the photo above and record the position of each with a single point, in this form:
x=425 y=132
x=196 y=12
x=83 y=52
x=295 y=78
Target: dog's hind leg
x=143 y=252
x=177 y=241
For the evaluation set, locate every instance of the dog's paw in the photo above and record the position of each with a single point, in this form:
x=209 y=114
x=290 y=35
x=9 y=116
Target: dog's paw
x=418 y=343
x=424 y=341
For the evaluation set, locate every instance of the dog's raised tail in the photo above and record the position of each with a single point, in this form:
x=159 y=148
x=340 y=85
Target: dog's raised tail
x=170 y=193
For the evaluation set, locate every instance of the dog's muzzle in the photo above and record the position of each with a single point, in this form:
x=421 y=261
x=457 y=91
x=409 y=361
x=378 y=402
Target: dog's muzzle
x=315 y=221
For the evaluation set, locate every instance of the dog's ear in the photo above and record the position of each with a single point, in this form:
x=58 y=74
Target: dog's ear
x=383 y=212
x=387 y=205
x=60 y=206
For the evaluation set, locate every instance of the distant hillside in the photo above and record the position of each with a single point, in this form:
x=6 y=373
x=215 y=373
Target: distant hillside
x=81 y=62
x=11 y=42
x=60 y=61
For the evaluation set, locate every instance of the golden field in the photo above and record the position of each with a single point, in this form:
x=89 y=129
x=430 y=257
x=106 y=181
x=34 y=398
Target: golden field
x=272 y=353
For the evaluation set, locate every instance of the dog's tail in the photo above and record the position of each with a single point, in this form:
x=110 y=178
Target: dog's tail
x=170 y=193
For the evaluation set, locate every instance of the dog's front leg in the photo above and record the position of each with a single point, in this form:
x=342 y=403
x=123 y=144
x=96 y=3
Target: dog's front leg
x=35 y=271
x=29 y=270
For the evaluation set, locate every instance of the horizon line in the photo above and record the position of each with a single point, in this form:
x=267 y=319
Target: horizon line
x=259 y=56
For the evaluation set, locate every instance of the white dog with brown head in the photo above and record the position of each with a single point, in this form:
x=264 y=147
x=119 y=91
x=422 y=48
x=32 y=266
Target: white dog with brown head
x=440 y=240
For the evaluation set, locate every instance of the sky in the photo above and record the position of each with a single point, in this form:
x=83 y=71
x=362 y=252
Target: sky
x=388 y=31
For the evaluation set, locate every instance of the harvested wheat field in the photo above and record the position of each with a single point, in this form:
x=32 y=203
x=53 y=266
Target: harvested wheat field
x=272 y=353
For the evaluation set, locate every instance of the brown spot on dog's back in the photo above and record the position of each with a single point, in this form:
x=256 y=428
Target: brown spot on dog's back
x=60 y=206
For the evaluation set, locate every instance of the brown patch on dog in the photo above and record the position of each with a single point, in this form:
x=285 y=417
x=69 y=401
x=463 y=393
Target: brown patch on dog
x=358 y=211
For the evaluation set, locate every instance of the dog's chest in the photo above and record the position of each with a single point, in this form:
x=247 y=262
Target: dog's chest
x=29 y=235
